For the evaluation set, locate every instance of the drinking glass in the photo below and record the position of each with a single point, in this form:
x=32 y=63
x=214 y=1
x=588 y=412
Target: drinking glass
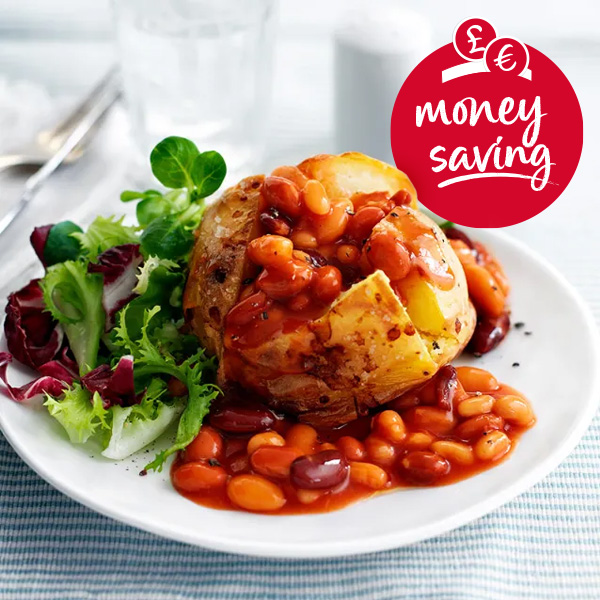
x=200 y=69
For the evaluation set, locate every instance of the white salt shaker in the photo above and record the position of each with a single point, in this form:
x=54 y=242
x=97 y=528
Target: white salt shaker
x=375 y=49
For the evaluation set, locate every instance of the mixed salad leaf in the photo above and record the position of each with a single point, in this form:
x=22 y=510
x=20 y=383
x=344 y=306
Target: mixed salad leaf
x=104 y=327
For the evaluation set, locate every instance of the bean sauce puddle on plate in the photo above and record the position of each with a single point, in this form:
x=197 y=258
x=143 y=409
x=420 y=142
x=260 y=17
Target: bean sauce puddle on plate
x=460 y=423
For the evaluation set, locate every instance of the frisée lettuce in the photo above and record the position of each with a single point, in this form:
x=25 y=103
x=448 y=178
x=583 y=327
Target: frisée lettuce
x=104 y=327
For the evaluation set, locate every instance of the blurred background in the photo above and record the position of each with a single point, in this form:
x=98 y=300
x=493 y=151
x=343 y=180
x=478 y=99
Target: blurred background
x=265 y=82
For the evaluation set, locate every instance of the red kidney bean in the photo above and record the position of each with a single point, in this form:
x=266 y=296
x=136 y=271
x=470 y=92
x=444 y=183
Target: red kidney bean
x=489 y=332
x=324 y=470
x=316 y=258
x=445 y=386
x=239 y=419
x=423 y=468
x=274 y=223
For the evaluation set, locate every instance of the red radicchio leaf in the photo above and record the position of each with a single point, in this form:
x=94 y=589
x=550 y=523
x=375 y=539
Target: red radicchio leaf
x=118 y=265
x=55 y=378
x=32 y=335
x=38 y=240
x=114 y=387
x=64 y=369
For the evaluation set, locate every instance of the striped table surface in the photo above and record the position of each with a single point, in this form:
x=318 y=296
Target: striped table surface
x=545 y=544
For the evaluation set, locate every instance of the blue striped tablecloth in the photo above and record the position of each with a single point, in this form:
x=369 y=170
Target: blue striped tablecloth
x=543 y=545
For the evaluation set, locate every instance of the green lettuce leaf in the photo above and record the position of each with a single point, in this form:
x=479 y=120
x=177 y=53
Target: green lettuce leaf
x=164 y=289
x=134 y=427
x=74 y=298
x=81 y=414
x=152 y=358
x=104 y=233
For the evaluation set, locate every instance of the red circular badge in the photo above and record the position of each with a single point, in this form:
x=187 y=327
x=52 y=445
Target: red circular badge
x=471 y=38
x=490 y=142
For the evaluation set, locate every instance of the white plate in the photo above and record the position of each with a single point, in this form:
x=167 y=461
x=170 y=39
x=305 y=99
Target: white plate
x=558 y=371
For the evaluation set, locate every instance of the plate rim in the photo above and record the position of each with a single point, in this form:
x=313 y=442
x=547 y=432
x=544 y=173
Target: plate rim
x=393 y=539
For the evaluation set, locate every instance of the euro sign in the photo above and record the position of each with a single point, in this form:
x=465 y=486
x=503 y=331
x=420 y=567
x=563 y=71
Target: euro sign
x=502 y=58
x=473 y=40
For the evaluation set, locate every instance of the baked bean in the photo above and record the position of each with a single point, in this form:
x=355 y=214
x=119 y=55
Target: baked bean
x=489 y=332
x=389 y=254
x=266 y=438
x=380 y=451
x=369 y=475
x=315 y=198
x=331 y=227
x=455 y=452
x=248 y=309
x=486 y=259
x=476 y=380
x=497 y=272
x=303 y=437
x=255 y=493
x=279 y=287
x=352 y=448
x=390 y=426
x=423 y=468
x=294 y=174
x=401 y=198
x=274 y=461
x=327 y=446
x=419 y=440
x=319 y=471
x=304 y=239
x=465 y=253
x=484 y=291
x=473 y=428
x=198 y=476
x=309 y=496
x=274 y=224
x=492 y=445
x=283 y=195
x=273 y=251
x=434 y=420
x=362 y=223
x=300 y=302
x=327 y=284
x=239 y=419
x=515 y=410
x=207 y=444
x=348 y=254
x=475 y=405
x=360 y=199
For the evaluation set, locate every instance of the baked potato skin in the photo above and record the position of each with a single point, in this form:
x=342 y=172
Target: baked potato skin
x=218 y=261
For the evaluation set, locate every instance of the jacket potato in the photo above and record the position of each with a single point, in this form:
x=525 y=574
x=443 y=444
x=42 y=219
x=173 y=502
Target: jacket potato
x=325 y=290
